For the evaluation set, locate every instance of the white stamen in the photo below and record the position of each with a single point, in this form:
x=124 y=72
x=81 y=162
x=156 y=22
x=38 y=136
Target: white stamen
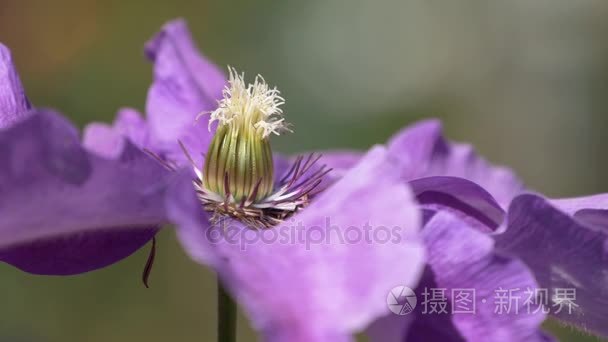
x=256 y=105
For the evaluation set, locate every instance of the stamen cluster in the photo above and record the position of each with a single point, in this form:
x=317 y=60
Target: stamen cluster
x=255 y=105
x=237 y=178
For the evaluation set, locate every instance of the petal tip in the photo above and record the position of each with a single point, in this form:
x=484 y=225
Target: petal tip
x=154 y=44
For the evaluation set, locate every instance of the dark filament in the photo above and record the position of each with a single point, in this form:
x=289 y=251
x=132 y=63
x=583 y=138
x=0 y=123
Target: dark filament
x=149 y=263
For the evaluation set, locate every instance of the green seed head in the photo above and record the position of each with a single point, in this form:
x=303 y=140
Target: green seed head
x=239 y=160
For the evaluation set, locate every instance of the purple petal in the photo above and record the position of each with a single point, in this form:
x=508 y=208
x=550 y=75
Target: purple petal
x=14 y=105
x=340 y=161
x=108 y=140
x=103 y=140
x=461 y=257
x=590 y=210
x=296 y=288
x=64 y=210
x=564 y=252
x=77 y=253
x=423 y=151
x=461 y=197
x=573 y=205
x=185 y=85
x=130 y=124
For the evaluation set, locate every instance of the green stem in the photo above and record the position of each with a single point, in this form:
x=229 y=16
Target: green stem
x=226 y=315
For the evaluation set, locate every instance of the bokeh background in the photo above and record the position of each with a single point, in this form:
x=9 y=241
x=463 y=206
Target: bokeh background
x=524 y=80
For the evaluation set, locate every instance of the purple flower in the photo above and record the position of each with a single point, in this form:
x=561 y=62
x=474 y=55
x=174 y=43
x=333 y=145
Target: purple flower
x=70 y=206
x=292 y=291
x=324 y=267
x=64 y=208
x=563 y=242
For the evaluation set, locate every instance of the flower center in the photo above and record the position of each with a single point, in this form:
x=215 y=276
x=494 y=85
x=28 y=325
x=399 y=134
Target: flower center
x=239 y=159
x=237 y=179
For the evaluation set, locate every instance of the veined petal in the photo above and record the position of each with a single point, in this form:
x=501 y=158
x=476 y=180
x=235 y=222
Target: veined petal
x=462 y=258
x=185 y=85
x=423 y=151
x=66 y=210
x=14 y=105
x=304 y=280
x=564 y=252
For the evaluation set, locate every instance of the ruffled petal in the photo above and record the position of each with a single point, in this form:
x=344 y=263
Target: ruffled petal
x=185 y=85
x=103 y=140
x=568 y=255
x=66 y=210
x=461 y=197
x=129 y=123
x=462 y=258
x=423 y=151
x=314 y=278
x=14 y=104
x=109 y=140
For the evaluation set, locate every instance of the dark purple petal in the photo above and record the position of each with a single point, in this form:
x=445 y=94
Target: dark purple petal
x=65 y=210
x=564 y=252
x=296 y=288
x=461 y=197
x=185 y=85
x=77 y=253
x=390 y=328
x=423 y=151
x=14 y=105
x=461 y=257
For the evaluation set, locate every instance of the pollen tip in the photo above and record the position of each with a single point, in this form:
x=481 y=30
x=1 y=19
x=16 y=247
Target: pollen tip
x=255 y=106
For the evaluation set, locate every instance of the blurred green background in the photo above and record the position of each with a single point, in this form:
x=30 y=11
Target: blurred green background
x=525 y=81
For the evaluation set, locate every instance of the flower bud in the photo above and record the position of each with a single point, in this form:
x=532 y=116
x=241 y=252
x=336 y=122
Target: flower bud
x=238 y=164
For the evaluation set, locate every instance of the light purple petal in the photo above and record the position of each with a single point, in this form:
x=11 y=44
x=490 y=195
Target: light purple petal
x=64 y=210
x=109 y=140
x=103 y=140
x=340 y=161
x=564 y=252
x=130 y=124
x=185 y=85
x=572 y=205
x=320 y=290
x=590 y=210
x=423 y=151
x=14 y=105
x=460 y=257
